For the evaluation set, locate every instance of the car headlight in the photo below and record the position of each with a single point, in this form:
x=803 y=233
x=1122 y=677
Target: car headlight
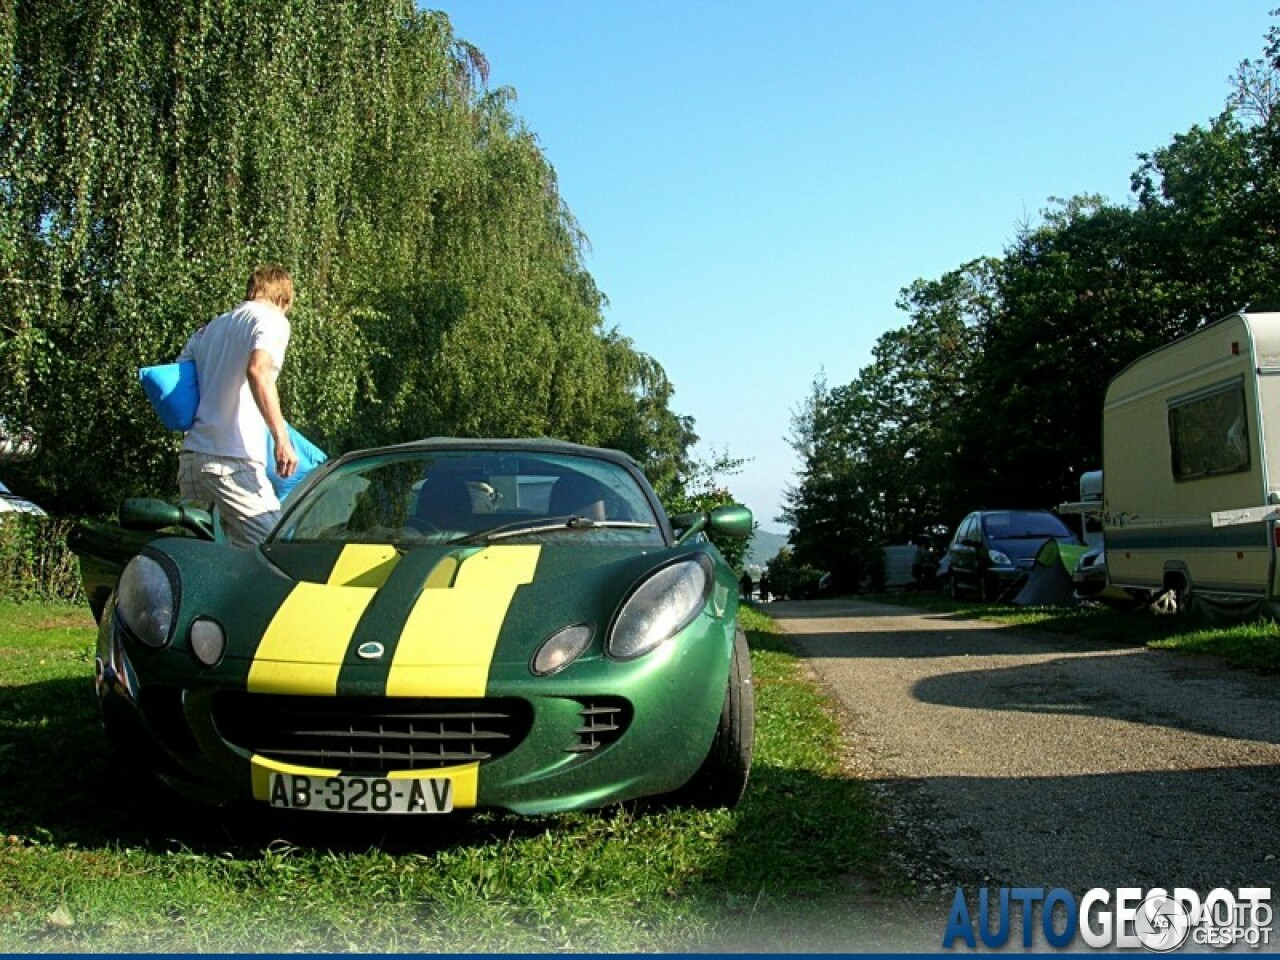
x=560 y=649
x=660 y=608
x=145 y=599
x=999 y=558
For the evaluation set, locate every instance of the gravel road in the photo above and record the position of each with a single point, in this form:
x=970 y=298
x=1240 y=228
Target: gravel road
x=1016 y=759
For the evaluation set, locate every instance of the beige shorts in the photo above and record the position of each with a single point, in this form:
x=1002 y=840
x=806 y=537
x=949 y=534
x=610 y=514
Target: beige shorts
x=238 y=489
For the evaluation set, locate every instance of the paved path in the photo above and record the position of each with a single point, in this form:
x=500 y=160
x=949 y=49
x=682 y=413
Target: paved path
x=1021 y=760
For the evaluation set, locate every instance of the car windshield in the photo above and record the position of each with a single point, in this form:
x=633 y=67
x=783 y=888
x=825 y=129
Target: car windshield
x=1015 y=525
x=441 y=497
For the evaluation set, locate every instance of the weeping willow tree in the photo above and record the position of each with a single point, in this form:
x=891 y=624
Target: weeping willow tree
x=152 y=152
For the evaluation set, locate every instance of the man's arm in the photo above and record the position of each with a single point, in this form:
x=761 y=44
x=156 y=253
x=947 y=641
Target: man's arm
x=262 y=384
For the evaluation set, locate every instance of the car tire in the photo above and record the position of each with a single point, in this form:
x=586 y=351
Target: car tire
x=722 y=778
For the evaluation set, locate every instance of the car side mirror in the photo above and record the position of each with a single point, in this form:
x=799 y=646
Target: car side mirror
x=146 y=513
x=730 y=520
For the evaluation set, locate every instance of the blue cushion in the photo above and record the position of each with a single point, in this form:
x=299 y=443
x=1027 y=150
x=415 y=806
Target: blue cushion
x=174 y=391
x=309 y=457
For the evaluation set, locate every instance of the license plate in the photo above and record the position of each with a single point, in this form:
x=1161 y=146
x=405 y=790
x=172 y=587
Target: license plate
x=360 y=794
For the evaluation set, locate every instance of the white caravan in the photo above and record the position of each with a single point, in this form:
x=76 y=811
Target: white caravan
x=1088 y=508
x=1190 y=492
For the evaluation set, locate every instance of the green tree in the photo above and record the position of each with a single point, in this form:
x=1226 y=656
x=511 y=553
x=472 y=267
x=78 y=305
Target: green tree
x=791 y=579
x=878 y=455
x=703 y=489
x=1076 y=297
x=833 y=510
x=151 y=154
x=992 y=394
x=920 y=382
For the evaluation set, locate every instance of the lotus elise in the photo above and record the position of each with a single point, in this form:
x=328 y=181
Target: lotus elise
x=436 y=626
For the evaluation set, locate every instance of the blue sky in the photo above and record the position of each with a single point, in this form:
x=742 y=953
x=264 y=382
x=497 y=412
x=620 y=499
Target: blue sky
x=759 y=180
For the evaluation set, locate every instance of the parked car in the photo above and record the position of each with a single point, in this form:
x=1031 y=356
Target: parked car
x=1090 y=574
x=1092 y=583
x=993 y=551
x=10 y=502
x=930 y=549
x=17 y=442
x=435 y=626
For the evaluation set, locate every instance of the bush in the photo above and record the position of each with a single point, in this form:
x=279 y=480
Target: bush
x=791 y=580
x=35 y=562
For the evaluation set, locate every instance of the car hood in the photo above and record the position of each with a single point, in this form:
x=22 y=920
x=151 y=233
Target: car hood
x=433 y=621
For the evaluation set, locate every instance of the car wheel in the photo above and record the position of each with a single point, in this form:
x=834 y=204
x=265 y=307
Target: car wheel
x=722 y=778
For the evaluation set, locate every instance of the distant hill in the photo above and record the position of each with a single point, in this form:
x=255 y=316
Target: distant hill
x=764 y=546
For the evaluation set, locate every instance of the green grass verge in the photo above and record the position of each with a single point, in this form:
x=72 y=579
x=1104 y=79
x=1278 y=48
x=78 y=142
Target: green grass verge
x=1253 y=645
x=89 y=864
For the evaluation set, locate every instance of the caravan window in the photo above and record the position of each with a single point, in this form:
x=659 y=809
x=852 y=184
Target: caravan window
x=1208 y=433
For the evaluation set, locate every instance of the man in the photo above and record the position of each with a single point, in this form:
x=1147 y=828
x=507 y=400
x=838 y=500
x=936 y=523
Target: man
x=238 y=356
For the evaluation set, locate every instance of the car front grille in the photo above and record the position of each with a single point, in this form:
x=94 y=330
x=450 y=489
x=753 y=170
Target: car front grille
x=372 y=735
x=604 y=720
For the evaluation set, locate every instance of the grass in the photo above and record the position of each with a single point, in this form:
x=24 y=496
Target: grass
x=89 y=863
x=1249 y=644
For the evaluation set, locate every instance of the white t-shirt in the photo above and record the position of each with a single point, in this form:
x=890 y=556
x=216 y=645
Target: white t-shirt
x=228 y=422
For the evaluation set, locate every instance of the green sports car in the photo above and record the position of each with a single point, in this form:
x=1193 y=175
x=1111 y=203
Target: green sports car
x=436 y=626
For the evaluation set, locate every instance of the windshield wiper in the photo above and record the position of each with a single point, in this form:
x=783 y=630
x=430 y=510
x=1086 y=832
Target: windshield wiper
x=529 y=527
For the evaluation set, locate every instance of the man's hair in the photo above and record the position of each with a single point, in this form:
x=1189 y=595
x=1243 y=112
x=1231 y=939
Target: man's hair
x=271 y=282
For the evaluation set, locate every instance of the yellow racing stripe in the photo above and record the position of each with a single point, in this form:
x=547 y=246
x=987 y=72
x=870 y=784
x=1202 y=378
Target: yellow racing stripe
x=304 y=645
x=364 y=565
x=451 y=633
x=442 y=574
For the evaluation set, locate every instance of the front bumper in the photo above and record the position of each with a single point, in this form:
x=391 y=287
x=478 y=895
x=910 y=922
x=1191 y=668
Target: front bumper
x=600 y=732
x=1004 y=579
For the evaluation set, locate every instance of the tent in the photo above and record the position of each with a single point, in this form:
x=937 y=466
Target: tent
x=1049 y=584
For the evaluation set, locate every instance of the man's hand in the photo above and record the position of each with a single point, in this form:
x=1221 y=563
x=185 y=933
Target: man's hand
x=286 y=457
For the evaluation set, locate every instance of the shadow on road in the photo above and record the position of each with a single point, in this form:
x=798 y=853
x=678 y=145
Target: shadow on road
x=1056 y=687
x=1104 y=830
x=871 y=632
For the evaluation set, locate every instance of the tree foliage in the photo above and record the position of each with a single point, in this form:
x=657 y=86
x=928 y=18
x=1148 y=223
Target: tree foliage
x=992 y=393
x=790 y=579
x=702 y=489
x=151 y=153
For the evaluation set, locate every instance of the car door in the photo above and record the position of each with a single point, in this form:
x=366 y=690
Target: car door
x=964 y=552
